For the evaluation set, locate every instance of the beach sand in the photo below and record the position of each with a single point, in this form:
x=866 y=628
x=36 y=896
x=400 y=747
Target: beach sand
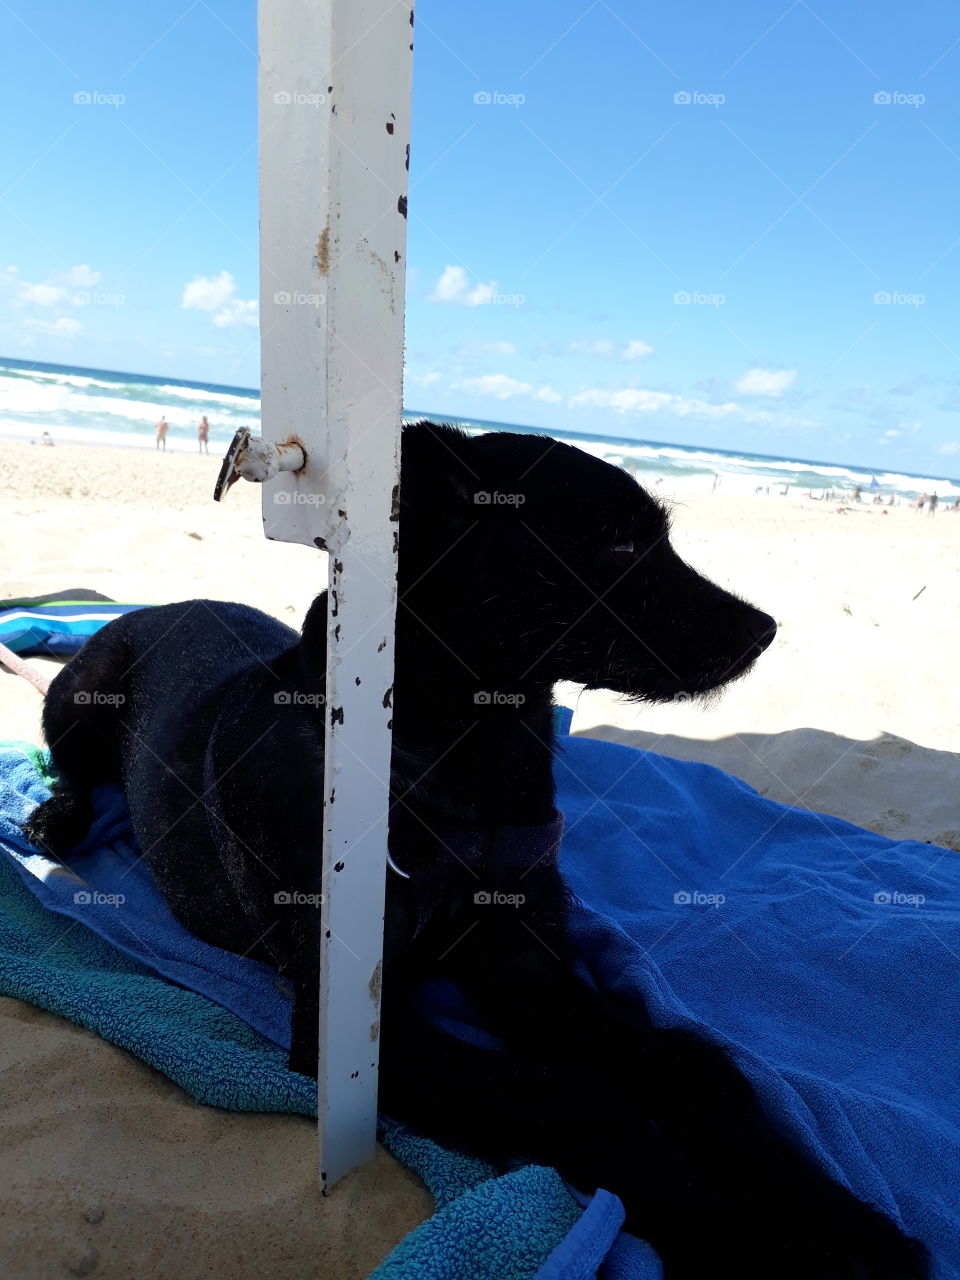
x=108 y=1169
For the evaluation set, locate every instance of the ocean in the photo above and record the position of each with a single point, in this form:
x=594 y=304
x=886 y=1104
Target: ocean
x=96 y=406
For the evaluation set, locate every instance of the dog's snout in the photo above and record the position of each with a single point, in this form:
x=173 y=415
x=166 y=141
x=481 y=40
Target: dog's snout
x=746 y=627
x=761 y=629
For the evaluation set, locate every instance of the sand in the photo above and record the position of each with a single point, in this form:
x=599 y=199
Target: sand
x=109 y=1170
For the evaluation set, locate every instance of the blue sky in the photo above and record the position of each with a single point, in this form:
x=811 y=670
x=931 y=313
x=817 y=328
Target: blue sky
x=728 y=225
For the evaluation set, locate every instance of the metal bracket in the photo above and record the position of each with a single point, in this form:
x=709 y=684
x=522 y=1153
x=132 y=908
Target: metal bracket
x=257 y=460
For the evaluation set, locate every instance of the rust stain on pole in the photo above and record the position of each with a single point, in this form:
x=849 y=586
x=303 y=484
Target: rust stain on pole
x=376 y=982
x=323 y=252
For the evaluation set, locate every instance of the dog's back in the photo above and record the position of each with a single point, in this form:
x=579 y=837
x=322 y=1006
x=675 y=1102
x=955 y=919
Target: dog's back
x=141 y=706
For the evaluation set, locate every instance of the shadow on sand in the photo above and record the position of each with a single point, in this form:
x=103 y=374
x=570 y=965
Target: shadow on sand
x=886 y=784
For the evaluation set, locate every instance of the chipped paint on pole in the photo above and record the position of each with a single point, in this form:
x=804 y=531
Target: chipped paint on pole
x=334 y=132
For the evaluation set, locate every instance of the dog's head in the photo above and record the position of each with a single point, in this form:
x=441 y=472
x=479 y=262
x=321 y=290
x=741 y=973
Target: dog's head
x=534 y=561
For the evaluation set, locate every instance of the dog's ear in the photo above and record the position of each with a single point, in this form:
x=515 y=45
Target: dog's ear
x=436 y=477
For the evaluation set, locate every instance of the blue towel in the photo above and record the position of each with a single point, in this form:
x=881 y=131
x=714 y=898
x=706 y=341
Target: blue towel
x=824 y=956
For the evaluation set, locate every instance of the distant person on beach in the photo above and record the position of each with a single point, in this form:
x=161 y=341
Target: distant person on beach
x=921 y=502
x=162 y=428
x=46 y=438
x=857 y=494
x=203 y=434
x=933 y=504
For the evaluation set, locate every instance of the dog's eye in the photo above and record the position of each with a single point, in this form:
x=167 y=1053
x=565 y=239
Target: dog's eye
x=623 y=548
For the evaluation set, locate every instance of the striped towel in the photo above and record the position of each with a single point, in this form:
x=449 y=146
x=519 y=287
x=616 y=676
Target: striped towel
x=56 y=623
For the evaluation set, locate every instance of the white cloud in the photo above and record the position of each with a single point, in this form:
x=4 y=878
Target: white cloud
x=215 y=293
x=429 y=379
x=64 y=326
x=891 y=433
x=949 y=447
x=82 y=276
x=208 y=294
x=487 y=349
x=454 y=286
x=52 y=292
x=238 y=312
x=766 y=382
x=497 y=385
x=451 y=285
x=636 y=349
x=641 y=400
x=45 y=295
x=630 y=400
x=607 y=349
x=481 y=293
x=602 y=348
x=548 y=395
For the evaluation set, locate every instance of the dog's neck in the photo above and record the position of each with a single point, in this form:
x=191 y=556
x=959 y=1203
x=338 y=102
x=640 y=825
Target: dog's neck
x=472 y=746
x=473 y=737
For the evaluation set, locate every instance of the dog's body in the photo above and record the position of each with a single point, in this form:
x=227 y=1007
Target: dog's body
x=571 y=578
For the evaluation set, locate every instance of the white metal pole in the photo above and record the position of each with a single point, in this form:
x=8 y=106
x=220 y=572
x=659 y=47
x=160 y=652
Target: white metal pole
x=335 y=78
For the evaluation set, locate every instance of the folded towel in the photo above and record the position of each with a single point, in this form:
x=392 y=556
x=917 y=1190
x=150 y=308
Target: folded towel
x=824 y=956
x=485 y=1227
x=57 y=623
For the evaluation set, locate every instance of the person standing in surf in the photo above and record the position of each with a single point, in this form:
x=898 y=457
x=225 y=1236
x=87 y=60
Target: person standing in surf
x=162 y=428
x=203 y=434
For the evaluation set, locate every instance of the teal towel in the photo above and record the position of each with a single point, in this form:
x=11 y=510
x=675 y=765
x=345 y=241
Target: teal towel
x=486 y=1227
x=68 y=969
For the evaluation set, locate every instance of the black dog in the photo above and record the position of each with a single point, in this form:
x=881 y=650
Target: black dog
x=522 y=562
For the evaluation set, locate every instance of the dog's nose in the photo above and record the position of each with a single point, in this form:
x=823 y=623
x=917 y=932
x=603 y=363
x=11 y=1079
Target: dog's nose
x=761 y=628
